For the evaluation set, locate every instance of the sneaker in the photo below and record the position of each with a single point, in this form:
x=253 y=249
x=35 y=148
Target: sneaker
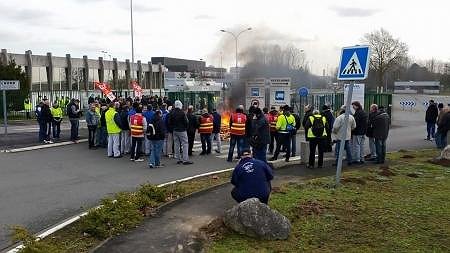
x=50 y=142
x=160 y=166
x=151 y=166
x=45 y=142
x=217 y=151
x=187 y=162
x=139 y=160
x=131 y=159
x=179 y=162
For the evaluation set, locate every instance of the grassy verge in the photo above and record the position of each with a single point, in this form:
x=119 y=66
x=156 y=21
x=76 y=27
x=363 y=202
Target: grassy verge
x=118 y=214
x=401 y=208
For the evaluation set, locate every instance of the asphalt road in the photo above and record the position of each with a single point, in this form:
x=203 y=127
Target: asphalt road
x=40 y=188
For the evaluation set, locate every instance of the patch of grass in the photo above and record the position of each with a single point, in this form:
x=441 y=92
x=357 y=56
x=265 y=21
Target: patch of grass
x=393 y=213
x=116 y=215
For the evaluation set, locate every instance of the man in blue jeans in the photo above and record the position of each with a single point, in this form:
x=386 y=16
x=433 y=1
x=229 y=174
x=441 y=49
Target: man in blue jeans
x=381 y=125
x=74 y=113
x=431 y=118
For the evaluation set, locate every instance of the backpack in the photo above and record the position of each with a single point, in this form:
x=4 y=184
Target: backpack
x=318 y=127
x=151 y=131
x=289 y=127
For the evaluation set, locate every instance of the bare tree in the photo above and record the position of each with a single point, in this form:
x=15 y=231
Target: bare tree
x=387 y=52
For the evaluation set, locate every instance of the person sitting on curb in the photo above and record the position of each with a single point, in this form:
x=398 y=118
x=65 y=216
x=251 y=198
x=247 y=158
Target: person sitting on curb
x=251 y=179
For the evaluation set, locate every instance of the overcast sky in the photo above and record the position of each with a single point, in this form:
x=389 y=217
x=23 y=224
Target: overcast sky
x=190 y=29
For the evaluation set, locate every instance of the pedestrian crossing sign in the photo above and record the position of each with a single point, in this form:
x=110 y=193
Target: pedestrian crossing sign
x=354 y=64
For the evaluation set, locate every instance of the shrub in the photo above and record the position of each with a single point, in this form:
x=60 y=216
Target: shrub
x=31 y=245
x=113 y=217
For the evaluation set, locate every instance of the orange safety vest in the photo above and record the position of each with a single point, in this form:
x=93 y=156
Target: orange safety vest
x=273 y=122
x=137 y=125
x=206 y=125
x=238 y=124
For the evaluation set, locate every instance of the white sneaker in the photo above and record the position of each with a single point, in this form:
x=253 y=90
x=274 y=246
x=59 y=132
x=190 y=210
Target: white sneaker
x=50 y=142
x=139 y=160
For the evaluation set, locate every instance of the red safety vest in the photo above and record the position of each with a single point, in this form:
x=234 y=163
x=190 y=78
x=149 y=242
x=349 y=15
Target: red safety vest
x=137 y=125
x=238 y=124
x=273 y=122
x=206 y=125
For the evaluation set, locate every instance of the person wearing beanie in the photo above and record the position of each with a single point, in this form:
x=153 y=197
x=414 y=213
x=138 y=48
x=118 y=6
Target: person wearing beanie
x=259 y=135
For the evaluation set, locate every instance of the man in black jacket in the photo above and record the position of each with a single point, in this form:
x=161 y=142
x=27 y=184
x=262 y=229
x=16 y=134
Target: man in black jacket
x=381 y=124
x=178 y=122
x=369 y=133
x=443 y=128
x=125 y=138
x=259 y=135
x=46 y=118
x=430 y=118
x=358 y=134
x=192 y=128
x=326 y=112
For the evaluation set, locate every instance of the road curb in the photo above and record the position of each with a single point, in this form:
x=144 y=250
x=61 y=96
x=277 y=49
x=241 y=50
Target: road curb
x=44 y=146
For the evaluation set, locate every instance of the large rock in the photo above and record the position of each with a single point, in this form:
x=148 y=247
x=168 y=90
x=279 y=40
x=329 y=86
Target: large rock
x=445 y=154
x=255 y=219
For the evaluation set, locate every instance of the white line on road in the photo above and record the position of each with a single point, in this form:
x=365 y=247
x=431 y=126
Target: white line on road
x=58 y=144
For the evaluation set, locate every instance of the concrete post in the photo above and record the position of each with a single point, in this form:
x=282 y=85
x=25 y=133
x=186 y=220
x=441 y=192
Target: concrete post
x=101 y=70
x=29 y=70
x=49 y=69
x=304 y=152
x=86 y=73
x=4 y=57
x=115 y=74
x=127 y=75
x=139 y=73
x=150 y=80
x=69 y=73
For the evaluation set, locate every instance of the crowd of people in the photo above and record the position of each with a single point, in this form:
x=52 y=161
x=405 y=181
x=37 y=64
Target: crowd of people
x=437 y=115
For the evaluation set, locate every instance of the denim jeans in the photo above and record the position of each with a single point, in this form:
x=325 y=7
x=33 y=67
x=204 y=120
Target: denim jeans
x=56 y=126
x=260 y=153
x=155 y=155
x=92 y=130
x=285 y=140
x=102 y=137
x=358 y=148
x=431 y=129
x=239 y=140
x=74 y=124
x=381 y=150
x=441 y=140
x=42 y=131
x=372 y=148
x=293 y=144
x=346 y=148
x=136 y=145
x=206 y=143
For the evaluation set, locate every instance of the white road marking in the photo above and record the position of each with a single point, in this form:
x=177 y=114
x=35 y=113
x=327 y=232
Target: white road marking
x=30 y=148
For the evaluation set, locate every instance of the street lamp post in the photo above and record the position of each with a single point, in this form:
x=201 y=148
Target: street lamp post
x=236 y=36
x=132 y=41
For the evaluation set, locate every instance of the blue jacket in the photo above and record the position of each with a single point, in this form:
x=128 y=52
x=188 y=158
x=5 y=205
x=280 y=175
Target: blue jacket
x=251 y=178
x=149 y=115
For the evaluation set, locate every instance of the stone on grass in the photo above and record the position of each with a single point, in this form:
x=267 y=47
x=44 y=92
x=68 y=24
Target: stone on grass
x=445 y=154
x=255 y=219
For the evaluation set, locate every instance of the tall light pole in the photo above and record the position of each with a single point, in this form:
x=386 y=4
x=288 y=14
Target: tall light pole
x=236 y=36
x=132 y=41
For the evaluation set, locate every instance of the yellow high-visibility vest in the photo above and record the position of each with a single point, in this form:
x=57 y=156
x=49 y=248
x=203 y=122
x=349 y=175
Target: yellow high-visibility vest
x=111 y=126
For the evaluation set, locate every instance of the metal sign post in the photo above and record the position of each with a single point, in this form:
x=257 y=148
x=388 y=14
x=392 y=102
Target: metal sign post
x=354 y=65
x=4 y=86
x=344 y=133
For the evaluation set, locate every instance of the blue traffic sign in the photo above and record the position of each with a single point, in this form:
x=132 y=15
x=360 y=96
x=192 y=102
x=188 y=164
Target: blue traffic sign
x=354 y=63
x=303 y=92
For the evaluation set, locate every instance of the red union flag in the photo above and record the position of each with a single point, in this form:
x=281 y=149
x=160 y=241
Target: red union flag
x=106 y=90
x=137 y=89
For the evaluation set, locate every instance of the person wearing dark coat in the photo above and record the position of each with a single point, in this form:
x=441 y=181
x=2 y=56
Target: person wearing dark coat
x=308 y=112
x=125 y=137
x=381 y=124
x=326 y=112
x=217 y=123
x=46 y=121
x=359 y=133
x=259 y=135
x=251 y=179
x=192 y=128
x=430 y=118
x=369 y=133
x=443 y=128
x=157 y=140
